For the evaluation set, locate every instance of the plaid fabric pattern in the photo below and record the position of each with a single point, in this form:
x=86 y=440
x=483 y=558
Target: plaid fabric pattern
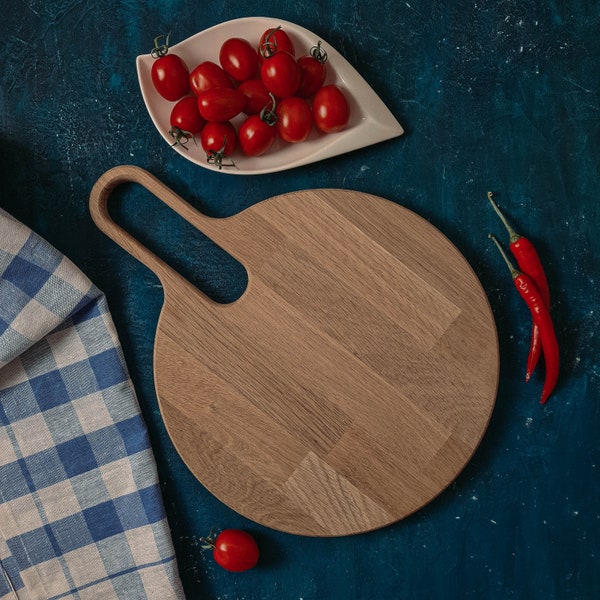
x=81 y=514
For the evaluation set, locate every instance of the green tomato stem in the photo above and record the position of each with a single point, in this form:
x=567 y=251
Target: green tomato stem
x=318 y=53
x=267 y=114
x=160 y=49
x=269 y=46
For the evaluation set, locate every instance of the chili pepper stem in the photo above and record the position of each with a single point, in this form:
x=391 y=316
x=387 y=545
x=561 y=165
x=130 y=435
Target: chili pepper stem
x=513 y=271
x=513 y=235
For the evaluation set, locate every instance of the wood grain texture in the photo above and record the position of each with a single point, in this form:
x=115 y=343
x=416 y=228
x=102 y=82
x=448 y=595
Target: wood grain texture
x=350 y=383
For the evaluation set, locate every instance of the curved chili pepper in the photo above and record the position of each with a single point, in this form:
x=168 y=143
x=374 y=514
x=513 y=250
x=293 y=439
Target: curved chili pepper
x=541 y=316
x=529 y=262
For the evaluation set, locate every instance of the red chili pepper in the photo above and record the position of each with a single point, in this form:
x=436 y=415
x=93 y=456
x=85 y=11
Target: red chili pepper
x=541 y=316
x=529 y=262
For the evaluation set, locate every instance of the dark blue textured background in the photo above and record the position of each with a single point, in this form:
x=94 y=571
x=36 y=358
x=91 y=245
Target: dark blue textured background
x=499 y=94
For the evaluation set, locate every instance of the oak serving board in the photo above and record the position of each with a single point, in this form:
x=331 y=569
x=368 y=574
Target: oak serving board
x=351 y=382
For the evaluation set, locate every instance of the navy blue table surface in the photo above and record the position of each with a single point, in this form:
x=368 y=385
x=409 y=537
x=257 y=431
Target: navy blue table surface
x=499 y=95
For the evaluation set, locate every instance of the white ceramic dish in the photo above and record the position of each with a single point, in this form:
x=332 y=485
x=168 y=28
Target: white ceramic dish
x=370 y=120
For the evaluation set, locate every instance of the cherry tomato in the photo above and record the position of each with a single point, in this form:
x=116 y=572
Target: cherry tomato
x=186 y=117
x=219 y=141
x=239 y=59
x=274 y=40
x=257 y=95
x=330 y=109
x=235 y=550
x=219 y=136
x=281 y=74
x=312 y=75
x=221 y=104
x=170 y=77
x=208 y=75
x=255 y=136
x=294 y=119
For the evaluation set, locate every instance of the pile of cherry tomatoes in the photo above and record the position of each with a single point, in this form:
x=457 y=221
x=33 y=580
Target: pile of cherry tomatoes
x=277 y=94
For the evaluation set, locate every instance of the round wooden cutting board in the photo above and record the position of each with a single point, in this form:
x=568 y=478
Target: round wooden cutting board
x=350 y=383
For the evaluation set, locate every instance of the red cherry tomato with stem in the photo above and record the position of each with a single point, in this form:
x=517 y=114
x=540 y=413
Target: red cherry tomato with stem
x=221 y=104
x=330 y=109
x=256 y=135
x=294 y=119
x=281 y=74
x=274 y=40
x=186 y=116
x=219 y=141
x=239 y=59
x=234 y=550
x=169 y=73
x=185 y=121
x=208 y=75
x=312 y=71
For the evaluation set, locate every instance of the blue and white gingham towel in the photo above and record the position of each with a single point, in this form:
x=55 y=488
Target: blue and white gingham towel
x=81 y=515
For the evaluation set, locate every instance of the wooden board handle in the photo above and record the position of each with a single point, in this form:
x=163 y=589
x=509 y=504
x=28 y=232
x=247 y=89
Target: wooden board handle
x=99 y=210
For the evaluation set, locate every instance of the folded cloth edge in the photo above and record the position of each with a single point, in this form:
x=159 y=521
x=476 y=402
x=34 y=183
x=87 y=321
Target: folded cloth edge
x=47 y=306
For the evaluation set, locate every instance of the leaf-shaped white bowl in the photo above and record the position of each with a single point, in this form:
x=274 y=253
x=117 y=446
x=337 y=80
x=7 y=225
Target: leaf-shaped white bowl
x=370 y=120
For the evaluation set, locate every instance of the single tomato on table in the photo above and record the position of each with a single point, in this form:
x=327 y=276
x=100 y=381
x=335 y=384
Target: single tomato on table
x=238 y=59
x=331 y=111
x=234 y=549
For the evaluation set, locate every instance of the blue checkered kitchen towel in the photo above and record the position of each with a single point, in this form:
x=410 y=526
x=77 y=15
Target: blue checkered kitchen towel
x=81 y=515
